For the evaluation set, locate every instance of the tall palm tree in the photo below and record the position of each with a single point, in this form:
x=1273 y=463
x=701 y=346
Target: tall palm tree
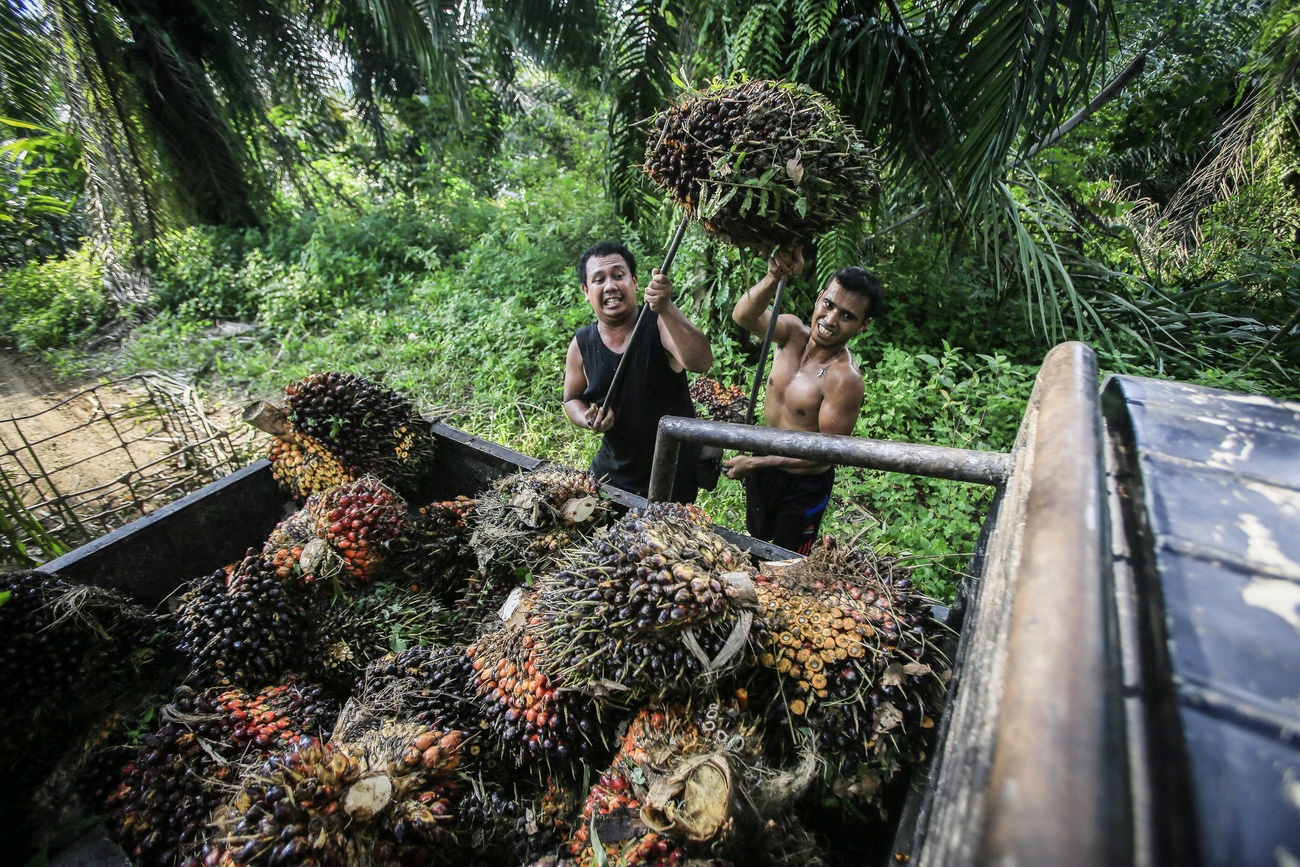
x=174 y=99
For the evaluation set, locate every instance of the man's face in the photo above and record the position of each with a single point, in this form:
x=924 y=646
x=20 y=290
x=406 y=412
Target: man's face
x=838 y=315
x=610 y=288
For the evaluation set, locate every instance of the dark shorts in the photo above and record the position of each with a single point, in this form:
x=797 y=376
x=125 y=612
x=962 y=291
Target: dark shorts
x=786 y=508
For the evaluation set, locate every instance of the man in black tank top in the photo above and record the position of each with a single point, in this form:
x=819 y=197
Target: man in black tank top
x=654 y=383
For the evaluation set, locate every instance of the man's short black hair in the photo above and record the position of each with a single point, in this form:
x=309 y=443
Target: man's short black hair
x=860 y=281
x=604 y=248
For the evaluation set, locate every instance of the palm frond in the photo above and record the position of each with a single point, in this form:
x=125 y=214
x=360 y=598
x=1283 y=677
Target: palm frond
x=757 y=45
x=24 y=65
x=639 y=63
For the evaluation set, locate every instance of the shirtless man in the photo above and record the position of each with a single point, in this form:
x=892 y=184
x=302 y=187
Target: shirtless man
x=814 y=386
x=655 y=384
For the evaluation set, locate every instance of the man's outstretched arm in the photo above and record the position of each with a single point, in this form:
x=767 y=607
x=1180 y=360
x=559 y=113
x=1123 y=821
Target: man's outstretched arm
x=752 y=311
x=838 y=415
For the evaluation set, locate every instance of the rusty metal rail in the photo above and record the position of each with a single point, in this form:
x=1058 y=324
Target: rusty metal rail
x=940 y=462
x=1032 y=766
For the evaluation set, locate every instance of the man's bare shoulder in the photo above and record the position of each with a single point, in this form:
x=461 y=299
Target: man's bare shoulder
x=845 y=379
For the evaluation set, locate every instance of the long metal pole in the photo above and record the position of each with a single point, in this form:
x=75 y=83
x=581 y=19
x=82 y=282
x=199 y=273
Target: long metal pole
x=611 y=396
x=939 y=462
x=762 y=352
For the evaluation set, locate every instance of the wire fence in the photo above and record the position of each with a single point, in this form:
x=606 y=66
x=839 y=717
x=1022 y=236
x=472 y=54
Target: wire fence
x=100 y=459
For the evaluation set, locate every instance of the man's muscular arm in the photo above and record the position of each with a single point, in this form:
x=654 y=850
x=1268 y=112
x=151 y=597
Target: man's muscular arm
x=587 y=416
x=752 y=311
x=684 y=341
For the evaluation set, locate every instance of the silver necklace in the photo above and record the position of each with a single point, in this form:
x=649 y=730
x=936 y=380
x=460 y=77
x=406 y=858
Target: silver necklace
x=821 y=371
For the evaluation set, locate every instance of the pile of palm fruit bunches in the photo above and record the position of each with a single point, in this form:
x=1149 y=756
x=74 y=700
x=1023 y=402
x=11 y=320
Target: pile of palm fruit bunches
x=522 y=678
x=761 y=163
x=719 y=402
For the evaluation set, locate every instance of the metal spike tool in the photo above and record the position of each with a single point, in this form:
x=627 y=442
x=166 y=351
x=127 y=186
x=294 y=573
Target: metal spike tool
x=612 y=396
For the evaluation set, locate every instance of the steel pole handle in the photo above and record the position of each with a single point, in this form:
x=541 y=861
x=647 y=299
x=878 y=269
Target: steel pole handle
x=612 y=395
x=762 y=352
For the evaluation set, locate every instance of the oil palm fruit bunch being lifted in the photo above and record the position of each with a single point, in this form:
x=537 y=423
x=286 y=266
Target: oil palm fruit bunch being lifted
x=337 y=427
x=760 y=163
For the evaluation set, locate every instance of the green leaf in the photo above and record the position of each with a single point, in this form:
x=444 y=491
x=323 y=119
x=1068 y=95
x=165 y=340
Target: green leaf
x=598 y=854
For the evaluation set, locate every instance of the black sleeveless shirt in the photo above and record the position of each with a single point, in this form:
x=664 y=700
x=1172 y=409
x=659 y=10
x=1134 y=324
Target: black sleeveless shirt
x=651 y=389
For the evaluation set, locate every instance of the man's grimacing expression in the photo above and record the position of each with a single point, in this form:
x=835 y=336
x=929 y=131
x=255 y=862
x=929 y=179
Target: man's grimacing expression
x=610 y=288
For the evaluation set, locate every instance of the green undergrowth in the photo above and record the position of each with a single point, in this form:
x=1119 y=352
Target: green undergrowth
x=53 y=304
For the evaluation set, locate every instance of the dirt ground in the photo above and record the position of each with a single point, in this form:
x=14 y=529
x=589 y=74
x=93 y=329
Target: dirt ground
x=36 y=411
x=99 y=450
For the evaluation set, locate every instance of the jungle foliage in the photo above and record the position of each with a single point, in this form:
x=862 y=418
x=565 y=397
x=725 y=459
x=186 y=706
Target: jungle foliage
x=400 y=189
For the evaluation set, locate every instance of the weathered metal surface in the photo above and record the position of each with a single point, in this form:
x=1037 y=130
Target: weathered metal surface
x=203 y=531
x=1029 y=767
x=1211 y=514
x=960 y=465
x=954 y=805
x=1058 y=791
x=149 y=558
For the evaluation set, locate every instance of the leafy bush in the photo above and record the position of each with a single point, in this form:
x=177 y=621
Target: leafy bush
x=197 y=272
x=318 y=263
x=54 y=304
x=950 y=399
x=42 y=177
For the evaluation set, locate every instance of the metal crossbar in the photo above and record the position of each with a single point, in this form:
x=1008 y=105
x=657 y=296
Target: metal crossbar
x=151 y=430
x=940 y=462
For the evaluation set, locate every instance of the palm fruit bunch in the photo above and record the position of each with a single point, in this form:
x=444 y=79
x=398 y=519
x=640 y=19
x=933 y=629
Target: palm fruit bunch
x=856 y=658
x=434 y=551
x=58 y=638
x=760 y=163
x=285 y=545
x=720 y=402
x=433 y=686
x=161 y=805
x=513 y=827
x=241 y=625
x=688 y=512
x=651 y=608
x=369 y=428
x=611 y=820
x=302 y=466
x=697 y=774
x=349 y=632
x=81 y=780
x=357 y=521
x=388 y=797
x=530 y=713
x=528 y=518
